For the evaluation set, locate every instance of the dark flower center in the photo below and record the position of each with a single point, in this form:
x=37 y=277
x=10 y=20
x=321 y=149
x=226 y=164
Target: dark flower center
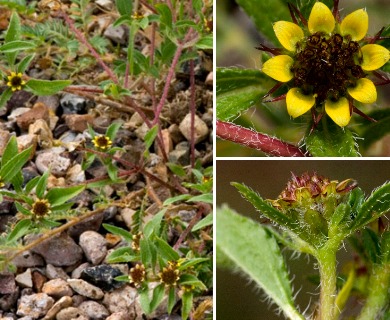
x=102 y=142
x=16 y=81
x=327 y=67
x=169 y=275
x=40 y=208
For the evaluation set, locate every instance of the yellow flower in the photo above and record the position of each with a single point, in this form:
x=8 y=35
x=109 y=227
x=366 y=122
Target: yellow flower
x=326 y=67
x=15 y=81
x=169 y=275
x=41 y=208
x=137 y=275
x=102 y=142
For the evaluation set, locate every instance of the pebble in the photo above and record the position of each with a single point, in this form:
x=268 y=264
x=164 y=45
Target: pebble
x=60 y=251
x=93 y=310
x=34 y=305
x=121 y=300
x=127 y=215
x=135 y=121
x=29 y=173
x=181 y=154
x=209 y=79
x=4 y=137
x=85 y=289
x=39 y=111
x=53 y=272
x=117 y=316
x=167 y=142
x=78 y=122
x=69 y=313
x=52 y=102
x=57 y=288
x=7 y=283
x=27 y=140
x=8 y=301
x=71 y=103
x=94 y=246
x=41 y=129
x=24 y=279
x=117 y=35
x=28 y=259
x=16 y=113
x=75 y=175
x=53 y=161
x=61 y=304
x=93 y=223
x=106 y=4
x=76 y=273
x=38 y=280
x=103 y=276
x=200 y=128
x=141 y=131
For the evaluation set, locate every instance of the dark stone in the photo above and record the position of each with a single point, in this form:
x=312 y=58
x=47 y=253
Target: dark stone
x=6 y=207
x=91 y=224
x=28 y=174
x=8 y=301
x=7 y=283
x=71 y=103
x=103 y=277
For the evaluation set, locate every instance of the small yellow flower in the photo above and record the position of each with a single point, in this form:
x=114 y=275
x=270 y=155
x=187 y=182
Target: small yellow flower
x=41 y=208
x=135 y=243
x=326 y=67
x=15 y=81
x=137 y=15
x=169 y=275
x=102 y=142
x=137 y=275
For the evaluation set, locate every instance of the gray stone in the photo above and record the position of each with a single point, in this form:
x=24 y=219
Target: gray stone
x=61 y=304
x=127 y=216
x=76 y=273
x=60 y=251
x=181 y=154
x=106 y=4
x=28 y=259
x=75 y=175
x=121 y=300
x=117 y=34
x=85 y=289
x=72 y=103
x=53 y=161
x=35 y=305
x=135 y=121
x=92 y=223
x=57 y=288
x=69 y=313
x=8 y=301
x=200 y=128
x=94 y=246
x=24 y=279
x=94 y=310
x=53 y=272
x=141 y=131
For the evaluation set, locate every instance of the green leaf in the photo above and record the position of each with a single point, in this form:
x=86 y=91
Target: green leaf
x=266 y=209
x=144 y=299
x=126 y=235
x=122 y=278
x=206 y=42
x=371 y=245
x=148 y=252
x=165 y=14
x=42 y=185
x=20 y=229
x=376 y=130
x=187 y=301
x=329 y=140
x=191 y=262
x=57 y=196
x=171 y=299
x=191 y=280
x=150 y=136
x=10 y=151
x=47 y=87
x=180 y=197
x=166 y=251
x=238 y=90
x=25 y=63
x=158 y=295
x=177 y=169
x=31 y=184
x=13 y=33
x=22 y=209
x=385 y=247
x=375 y=206
x=15 y=165
x=5 y=96
x=17 y=46
x=112 y=171
x=123 y=254
x=208 y=198
x=112 y=130
x=205 y=222
x=153 y=226
x=124 y=7
x=252 y=249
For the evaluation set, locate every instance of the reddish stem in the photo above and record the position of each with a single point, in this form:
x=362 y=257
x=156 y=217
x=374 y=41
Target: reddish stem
x=259 y=141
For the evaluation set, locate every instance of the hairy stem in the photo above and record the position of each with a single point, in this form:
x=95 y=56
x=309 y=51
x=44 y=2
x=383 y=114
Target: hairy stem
x=259 y=141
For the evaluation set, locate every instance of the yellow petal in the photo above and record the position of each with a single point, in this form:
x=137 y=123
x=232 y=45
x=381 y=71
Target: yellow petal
x=321 y=19
x=374 y=56
x=298 y=103
x=338 y=111
x=355 y=24
x=364 y=91
x=279 y=68
x=288 y=34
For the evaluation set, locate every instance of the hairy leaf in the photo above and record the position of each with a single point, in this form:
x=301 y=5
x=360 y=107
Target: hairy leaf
x=20 y=229
x=16 y=46
x=46 y=87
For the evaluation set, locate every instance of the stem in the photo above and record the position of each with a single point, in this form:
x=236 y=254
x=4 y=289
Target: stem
x=326 y=257
x=378 y=292
x=252 y=139
x=192 y=110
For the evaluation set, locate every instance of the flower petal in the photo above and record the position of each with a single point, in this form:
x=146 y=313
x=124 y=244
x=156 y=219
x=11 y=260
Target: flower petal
x=364 y=91
x=288 y=34
x=374 y=56
x=279 y=68
x=338 y=111
x=298 y=103
x=355 y=24
x=321 y=19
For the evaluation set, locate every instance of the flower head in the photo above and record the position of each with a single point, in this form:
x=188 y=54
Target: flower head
x=102 y=142
x=326 y=65
x=137 y=275
x=15 y=81
x=169 y=275
x=41 y=208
